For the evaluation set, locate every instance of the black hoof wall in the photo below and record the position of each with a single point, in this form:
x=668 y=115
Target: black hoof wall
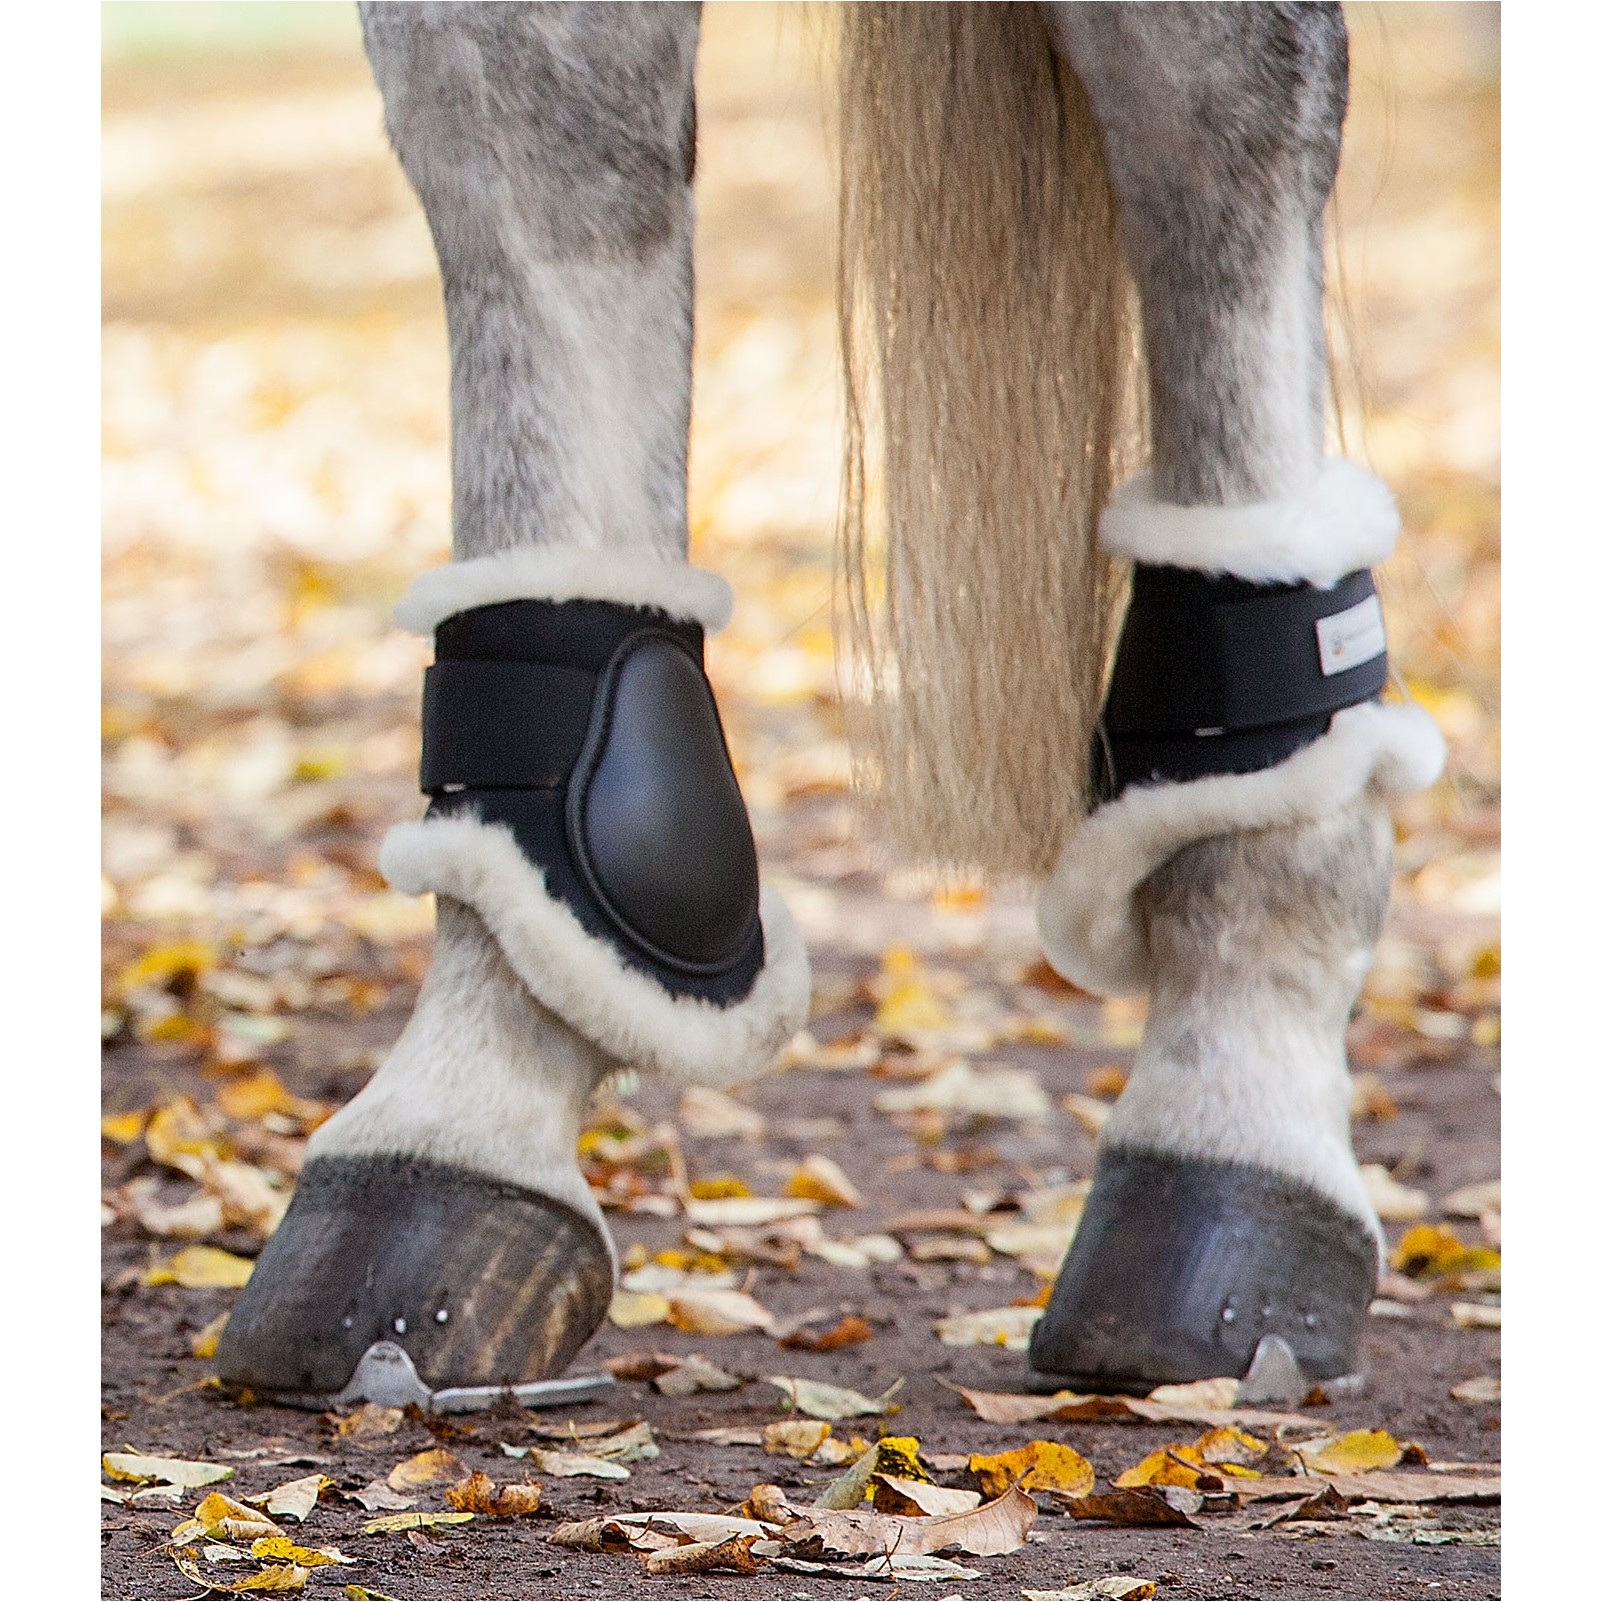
x=1181 y=1267
x=478 y=1282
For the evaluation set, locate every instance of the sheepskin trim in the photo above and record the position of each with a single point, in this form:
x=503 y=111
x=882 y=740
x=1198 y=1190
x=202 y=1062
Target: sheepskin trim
x=584 y=981
x=566 y=573
x=1086 y=913
x=1345 y=521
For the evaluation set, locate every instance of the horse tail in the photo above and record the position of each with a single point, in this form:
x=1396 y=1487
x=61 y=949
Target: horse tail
x=990 y=343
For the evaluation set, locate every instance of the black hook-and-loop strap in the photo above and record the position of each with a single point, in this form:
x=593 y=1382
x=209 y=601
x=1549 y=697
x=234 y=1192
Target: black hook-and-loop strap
x=1217 y=675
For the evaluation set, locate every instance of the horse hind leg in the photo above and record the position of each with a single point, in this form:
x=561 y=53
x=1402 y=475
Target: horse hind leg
x=596 y=881
x=1240 y=876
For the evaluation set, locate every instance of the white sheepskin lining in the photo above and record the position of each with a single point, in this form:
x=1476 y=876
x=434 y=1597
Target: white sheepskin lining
x=566 y=573
x=1086 y=913
x=1345 y=521
x=584 y=981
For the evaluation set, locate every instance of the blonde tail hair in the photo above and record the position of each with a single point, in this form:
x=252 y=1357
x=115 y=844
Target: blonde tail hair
x=993 y=397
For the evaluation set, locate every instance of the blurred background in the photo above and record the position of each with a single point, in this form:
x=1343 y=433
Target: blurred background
x=275 y=471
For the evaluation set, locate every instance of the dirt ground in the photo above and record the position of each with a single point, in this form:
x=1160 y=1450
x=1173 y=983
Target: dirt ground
x=275 y=436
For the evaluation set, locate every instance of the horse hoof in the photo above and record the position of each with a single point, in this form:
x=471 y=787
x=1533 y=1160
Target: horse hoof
x=479 y=1283
x=1184 y=1269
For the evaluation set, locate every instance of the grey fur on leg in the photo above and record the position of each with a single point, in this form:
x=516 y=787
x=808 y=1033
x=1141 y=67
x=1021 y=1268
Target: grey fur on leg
x=553 y=148
x=1222 y=126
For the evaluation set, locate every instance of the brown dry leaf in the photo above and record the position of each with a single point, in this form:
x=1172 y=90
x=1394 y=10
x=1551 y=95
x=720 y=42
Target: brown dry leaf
x=704 y=1557
x=399 y=1523
x=480 y=1494
x=850 y=1331
x=1325 y=1502
x=1140 y=1507
x=641 y=1366
x=1038 y=1466
x=996 y=1326
x=437 y=1466
x=370 y=1419
x=891 y=1493
x=200 y=1268
x=180 y=1471
x=203 y=1343
x=1482 y=1388
x=986 y=1531
x=1108 y=1081
x=821 y=1179
x=1356 y=1452
x=795 y=1437
x=644 y=1531
x=717 y=1312
x=285 y=1551
x=694 y=1375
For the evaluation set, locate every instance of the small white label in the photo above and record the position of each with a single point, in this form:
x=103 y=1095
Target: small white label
x=1350 y=638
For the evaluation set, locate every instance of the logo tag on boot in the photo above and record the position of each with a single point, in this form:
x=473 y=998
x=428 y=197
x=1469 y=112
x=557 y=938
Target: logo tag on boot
x=1351 y=638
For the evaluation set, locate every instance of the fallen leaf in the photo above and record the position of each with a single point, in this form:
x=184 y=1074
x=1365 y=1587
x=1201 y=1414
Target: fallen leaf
x=795 y=1437
x=294 y=1498
x=1038 y=1466
x=1476 y=1315
x=1136 y=1508
x=986 y=1531
x=1210 y=1393
x=1006 y=1407
x=818 y=1400
x=594 y=1535
x=569 y=1465
x=1090 y=1113
x=997 y=1326
x=1473 y=1201
x=200 y=1268
x=719 y=1312
x=1431 y=1251
x=749 y=1211
x=949 y=1249
x=704 y=1557
x=362 y=1593
x=1230 y=1445
x=850 y=1489
x=285 y=1550
x=1393 y=1202
x=221 y=1516
x=719 y=1187
x=1356 y=1452
x=711 y=1115
x=895 y=1567
x=919 y=1498
x=203 y=1343
x=279 y=1577
x=1107 y=1588
x=437 y=1466
x=183 y=1471
x=635 y=1309
x=694 y=1375
x=1002 y=1093
x=1483 y=1388
x=480 y=1494
x=195 y=1217
x=821 y=1179
x=370 y=1419
x=397 y=1523
x=849 y=1331
x=1325 y=1502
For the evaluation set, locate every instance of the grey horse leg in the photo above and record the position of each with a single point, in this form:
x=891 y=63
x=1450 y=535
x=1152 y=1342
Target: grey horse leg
x=1228 y=1206
x=552 y=147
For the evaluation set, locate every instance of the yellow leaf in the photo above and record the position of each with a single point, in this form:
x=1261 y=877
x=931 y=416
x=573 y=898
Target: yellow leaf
x=795 y=1437
x=285 y=1550
x=1429 y=1251
x=161 y=964
x=393 y=1523
x=820 y=1178
x=908 y=1004
x=200 y=1268
x=719 y=1187
x=898 y=1456
x=221 y=1516
x=1171 y=1465
x=167 y=1470
x=1039 y=1466
x=179 y=1136
x=632 y=1309
x=1229 y=1445
x=125 y=1128
x=280 y=1577
x=437 y=1466
x=1353 y=1453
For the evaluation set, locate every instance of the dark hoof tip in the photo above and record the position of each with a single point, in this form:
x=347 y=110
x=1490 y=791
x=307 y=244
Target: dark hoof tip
x=478 y=1282
x=1180 y=1268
